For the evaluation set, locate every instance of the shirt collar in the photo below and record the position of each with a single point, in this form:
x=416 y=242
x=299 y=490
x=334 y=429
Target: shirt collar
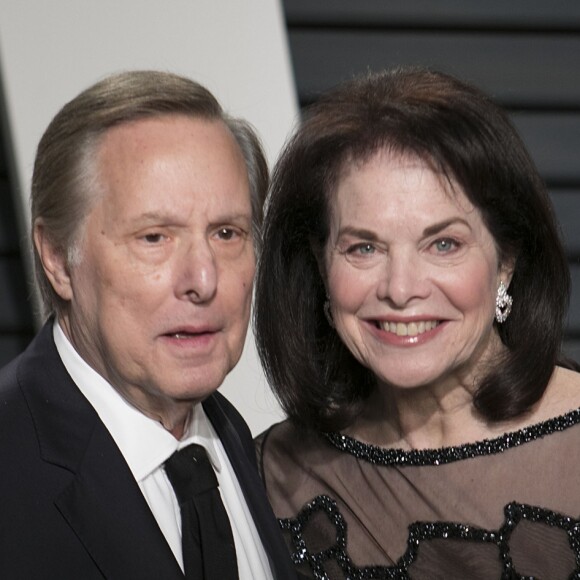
x=143 y=442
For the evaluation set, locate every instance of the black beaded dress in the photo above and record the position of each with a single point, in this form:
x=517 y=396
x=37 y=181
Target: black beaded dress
x=504 y=508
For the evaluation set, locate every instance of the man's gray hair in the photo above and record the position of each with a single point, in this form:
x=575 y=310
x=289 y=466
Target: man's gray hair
x=65 y=180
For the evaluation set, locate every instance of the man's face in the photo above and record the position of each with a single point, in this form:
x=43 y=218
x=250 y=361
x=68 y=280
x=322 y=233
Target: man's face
x=160 y=298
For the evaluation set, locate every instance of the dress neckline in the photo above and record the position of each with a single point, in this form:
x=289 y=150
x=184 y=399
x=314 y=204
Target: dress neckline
x=417 y=457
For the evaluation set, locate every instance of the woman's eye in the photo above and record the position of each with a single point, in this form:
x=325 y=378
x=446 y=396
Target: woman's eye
x=362 y=249
x=445 y=245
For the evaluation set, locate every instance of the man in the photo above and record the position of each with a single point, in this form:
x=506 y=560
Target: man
x=146 y=200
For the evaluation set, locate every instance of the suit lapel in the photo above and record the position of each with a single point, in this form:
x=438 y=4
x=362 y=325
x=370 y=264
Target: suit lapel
x=102 y=502
x=247 y=474
x=111 y=517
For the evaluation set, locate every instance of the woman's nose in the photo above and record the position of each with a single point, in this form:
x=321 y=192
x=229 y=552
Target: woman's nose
x=403 y=279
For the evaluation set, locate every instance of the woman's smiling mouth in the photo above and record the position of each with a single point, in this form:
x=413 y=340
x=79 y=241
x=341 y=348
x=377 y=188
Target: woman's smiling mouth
x=407 y=329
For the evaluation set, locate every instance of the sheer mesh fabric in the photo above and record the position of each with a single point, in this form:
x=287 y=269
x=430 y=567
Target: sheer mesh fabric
x=497 y=514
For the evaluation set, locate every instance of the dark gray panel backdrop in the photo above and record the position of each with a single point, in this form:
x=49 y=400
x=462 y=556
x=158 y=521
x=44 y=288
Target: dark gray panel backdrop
x=16 y=326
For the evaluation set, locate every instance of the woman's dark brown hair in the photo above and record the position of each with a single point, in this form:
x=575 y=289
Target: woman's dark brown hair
x=469 y=139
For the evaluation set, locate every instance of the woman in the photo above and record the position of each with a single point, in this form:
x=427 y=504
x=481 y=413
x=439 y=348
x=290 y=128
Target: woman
x=410 y=305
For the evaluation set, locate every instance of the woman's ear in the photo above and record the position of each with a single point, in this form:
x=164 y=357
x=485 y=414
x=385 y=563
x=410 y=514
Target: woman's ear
x=54 y=261
x=506 y=270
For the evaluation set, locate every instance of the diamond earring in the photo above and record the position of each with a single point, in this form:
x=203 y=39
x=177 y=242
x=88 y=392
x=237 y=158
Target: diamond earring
x=503 y=303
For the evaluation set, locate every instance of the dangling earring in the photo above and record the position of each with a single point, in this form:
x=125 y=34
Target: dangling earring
x=328 y=312
x=503 y=303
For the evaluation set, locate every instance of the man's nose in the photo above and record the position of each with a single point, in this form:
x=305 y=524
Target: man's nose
x=197 y=273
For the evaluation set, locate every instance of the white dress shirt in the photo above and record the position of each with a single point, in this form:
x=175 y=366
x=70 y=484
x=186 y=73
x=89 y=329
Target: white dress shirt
x=146 y=445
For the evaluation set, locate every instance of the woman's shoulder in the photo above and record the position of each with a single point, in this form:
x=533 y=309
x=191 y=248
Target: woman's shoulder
x=562 y=395
x=290 y=456
x=288 y=439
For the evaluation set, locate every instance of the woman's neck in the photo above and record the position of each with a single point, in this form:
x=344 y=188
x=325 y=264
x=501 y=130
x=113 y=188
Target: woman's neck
x=419 y=418
x=431 y=418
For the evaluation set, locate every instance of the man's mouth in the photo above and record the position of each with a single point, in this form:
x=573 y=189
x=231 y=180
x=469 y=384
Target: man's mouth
x=182 y=334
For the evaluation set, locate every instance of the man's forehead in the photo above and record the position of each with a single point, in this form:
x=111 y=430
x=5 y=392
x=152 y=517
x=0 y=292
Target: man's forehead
x=140 y=142
x=155 y=165
x=137 y=132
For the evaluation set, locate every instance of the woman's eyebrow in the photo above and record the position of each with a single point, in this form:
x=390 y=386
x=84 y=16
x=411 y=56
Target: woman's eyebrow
x=357 y=232
x=440 y=226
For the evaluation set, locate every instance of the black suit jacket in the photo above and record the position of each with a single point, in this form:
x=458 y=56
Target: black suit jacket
x=69 y=505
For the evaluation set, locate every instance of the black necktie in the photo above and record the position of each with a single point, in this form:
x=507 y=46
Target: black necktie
x=206 y=536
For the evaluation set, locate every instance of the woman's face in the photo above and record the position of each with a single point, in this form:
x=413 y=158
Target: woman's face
x=412 y=273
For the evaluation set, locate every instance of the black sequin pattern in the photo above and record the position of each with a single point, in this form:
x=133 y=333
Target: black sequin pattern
x=419 y=532
x=425 y=531
x=381 y=456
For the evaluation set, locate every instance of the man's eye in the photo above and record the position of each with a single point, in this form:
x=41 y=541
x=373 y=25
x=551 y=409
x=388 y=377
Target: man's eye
x=153 y=238
x=226 y=233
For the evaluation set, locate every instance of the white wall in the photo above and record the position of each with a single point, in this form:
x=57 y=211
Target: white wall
x=52 y=49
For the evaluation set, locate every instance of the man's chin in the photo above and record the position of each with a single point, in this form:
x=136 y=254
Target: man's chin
x=194 y=389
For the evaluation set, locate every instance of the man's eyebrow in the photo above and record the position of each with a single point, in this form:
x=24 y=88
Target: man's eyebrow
x=440 y=226
x=155 y=219
x=240 y=215
x=151 y=216
x=172 y=217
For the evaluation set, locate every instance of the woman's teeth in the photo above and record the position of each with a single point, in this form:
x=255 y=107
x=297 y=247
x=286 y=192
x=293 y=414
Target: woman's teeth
x=410 y=329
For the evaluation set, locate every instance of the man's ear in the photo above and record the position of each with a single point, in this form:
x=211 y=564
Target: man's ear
x=54 y=262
